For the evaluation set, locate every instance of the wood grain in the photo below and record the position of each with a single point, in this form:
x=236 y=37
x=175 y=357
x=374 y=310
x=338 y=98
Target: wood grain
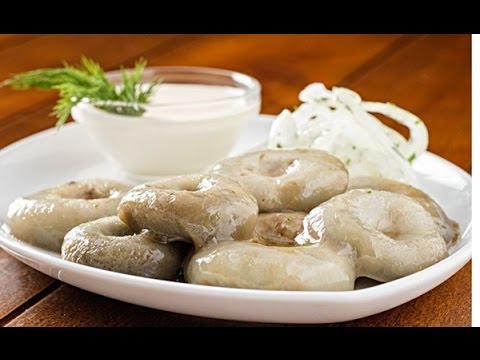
x=18 y=284
x=429 y=75
x=69 y=306
x=449 y=304
x=12 y=40
x=285 y=64
x=432 y=78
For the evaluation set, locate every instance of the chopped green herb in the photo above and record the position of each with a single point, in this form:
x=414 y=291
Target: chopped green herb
x=417 y=122
x=348 y=161
x=411 y=157
x=397 y=145
x=369 y=191
x=88 y=81
x=279 y=146
x=354 y=147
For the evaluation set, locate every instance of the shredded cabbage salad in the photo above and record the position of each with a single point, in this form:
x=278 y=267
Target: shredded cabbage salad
x=338 y=121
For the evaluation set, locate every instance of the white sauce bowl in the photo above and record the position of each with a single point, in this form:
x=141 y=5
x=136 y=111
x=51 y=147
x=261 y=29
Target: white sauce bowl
x=184 y=135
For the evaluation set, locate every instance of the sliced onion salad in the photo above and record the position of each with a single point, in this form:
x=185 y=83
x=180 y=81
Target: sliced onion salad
x=338 y=121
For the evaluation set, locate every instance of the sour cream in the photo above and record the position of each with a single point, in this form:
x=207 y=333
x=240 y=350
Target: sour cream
x=194 y=102
x=185 y=128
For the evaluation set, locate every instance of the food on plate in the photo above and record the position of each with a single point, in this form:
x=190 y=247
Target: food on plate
x=376 y=234
x=392 y=234
x=109 y=244
x=247 y=265
x=279 y=229
x=328 y=202
x=44 y=218
x=447 y=228
x=383 y=230
x=200 y=208
x=338 y=121
x=296 y=180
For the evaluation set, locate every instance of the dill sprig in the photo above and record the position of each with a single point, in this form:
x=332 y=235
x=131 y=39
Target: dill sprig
x=87 y=82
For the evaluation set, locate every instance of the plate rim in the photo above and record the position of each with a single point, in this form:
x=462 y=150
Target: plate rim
x=463 y=255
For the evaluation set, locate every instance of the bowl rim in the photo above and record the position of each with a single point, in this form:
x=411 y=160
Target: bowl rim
x=253 y=89
x=252 y=84
x=80 y=114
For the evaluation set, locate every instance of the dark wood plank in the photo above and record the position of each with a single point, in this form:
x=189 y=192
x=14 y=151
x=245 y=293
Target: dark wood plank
x=284 y=64
x=69 y=306
x=450 y=304
x=18 y=284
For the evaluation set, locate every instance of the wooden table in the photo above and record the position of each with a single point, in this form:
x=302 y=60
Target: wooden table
x=429 y=75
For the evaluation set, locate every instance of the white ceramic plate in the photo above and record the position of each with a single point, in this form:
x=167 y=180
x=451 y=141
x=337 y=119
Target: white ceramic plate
x=53 y=157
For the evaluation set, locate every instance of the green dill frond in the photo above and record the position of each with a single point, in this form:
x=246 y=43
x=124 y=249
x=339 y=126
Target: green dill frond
x=88 y=81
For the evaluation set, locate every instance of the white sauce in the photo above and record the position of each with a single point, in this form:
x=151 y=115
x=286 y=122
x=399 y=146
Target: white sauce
x=196 y=102
x=180 y=138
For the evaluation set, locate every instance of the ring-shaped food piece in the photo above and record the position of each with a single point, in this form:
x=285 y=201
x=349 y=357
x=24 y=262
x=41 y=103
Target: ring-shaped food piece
x=392 y=234
x=248 y=265
x=201 y=208
x=447 y=228
x=376 y=234
x=296 y=180
x=109 y=244
x=44 y=218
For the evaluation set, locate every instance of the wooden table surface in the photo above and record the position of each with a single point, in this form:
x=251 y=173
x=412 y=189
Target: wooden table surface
x=429 y=75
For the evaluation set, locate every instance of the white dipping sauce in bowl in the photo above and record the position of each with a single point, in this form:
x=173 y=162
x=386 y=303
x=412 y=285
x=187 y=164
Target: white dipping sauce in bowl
x=192 y=120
